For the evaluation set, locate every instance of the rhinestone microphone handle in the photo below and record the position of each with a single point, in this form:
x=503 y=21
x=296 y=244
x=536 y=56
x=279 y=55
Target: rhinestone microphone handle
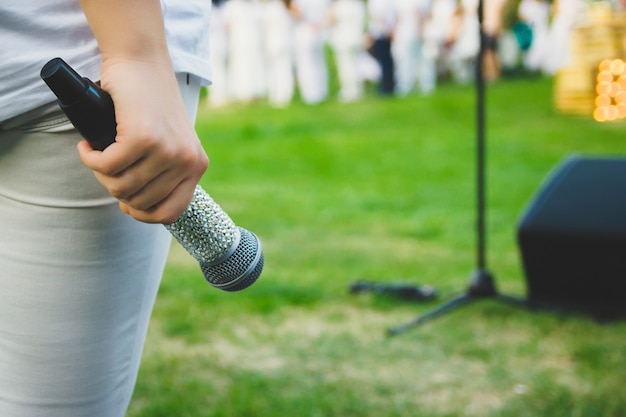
x=204 y=229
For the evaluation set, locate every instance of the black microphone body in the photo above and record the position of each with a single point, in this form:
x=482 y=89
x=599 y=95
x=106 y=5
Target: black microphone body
x=87 y=106
x=230 y=257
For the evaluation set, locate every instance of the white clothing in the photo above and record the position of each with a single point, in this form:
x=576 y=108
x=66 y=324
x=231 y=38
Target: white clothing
x=347 y=19
x=78 y=278
x=438 y=26
x=437 y=30
x=346 y=39
x=570 y=13
x=313 y=12
x=382 y=18
x=369 y=69
x=187 y=31
x=535 y=13
x=246 y=77
x=218 y=42
x=310 y=58
x=62 y=24
x=467 y=43
x=407 y=42
x=277 y=35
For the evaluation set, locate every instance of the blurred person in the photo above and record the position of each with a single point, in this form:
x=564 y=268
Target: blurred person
x=347 y=25
x=218 y=43
x=406 y=47
x=381 y=23
x=493 y=18
x=466 y=44
x=536 y=14
x=368 y=67
x=566 y=15
x=277 y=35
x=246 y=68
x=438 y=40
x=310 y=41
x=80 y=263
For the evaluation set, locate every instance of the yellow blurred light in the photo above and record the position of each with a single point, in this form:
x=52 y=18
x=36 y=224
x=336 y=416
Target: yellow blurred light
x=605 y=76
x=603 y=100
x=617 y=67
x=610 y=102
x=600 y=114
x=603 y=88
x=614 y=88
x=605 y=65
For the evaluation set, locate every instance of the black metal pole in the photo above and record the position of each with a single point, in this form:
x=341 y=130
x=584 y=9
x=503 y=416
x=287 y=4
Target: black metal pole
x=482 y=284
x=480 y=147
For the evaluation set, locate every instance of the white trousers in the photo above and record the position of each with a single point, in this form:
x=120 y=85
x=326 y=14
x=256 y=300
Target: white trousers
x=310 y=62
x=350 y=79
x=78 y=279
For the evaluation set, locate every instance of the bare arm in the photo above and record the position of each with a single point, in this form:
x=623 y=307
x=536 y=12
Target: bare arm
x=157 y=159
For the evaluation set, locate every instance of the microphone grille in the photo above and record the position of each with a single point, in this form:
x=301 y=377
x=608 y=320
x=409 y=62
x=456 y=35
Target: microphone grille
x=239 y=270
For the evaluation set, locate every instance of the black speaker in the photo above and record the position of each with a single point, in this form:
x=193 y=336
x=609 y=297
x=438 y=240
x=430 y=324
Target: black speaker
x=572 y=238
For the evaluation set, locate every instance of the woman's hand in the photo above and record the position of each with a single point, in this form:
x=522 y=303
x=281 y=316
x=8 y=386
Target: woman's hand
x=157 y=159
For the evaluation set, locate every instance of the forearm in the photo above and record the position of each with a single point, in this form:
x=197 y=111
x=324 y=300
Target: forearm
x=127 y=29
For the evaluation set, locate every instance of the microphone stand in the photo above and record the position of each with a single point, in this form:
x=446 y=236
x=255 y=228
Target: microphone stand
x=482 y=283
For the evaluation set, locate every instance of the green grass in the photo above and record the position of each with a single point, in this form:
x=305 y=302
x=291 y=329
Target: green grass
x=385 y=190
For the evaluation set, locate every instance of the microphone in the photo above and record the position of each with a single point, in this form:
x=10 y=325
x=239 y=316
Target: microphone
x=230 y=257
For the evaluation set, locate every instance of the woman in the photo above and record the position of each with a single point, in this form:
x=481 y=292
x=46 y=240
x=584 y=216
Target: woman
x=246 y=69
x=277 y=35
x=78 y=278
x=309 y=41
x=566 y=16
x=346 y=36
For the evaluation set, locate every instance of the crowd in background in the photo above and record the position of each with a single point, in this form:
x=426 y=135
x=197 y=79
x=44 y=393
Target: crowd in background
x=271 y=49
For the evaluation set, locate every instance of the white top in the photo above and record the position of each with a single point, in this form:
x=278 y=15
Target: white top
x=382 y=17
x=33 y=31
x=312 y=12
x=277 y=25
x=410 y=16
x=349 y=17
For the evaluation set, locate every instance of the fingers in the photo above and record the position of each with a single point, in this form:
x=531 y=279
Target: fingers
x=153 y=185
x=116 y=160
x=123 y=172
x=168 y=209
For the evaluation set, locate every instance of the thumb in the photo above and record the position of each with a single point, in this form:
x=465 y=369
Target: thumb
x=87 y=153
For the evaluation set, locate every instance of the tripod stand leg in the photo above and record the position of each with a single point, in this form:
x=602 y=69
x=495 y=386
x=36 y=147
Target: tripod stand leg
x=482 y=286
x=450 y=305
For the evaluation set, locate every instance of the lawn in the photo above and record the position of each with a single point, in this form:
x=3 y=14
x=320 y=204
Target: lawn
x=384 y=190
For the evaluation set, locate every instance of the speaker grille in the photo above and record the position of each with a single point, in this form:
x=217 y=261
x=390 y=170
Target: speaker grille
x=241 y=269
